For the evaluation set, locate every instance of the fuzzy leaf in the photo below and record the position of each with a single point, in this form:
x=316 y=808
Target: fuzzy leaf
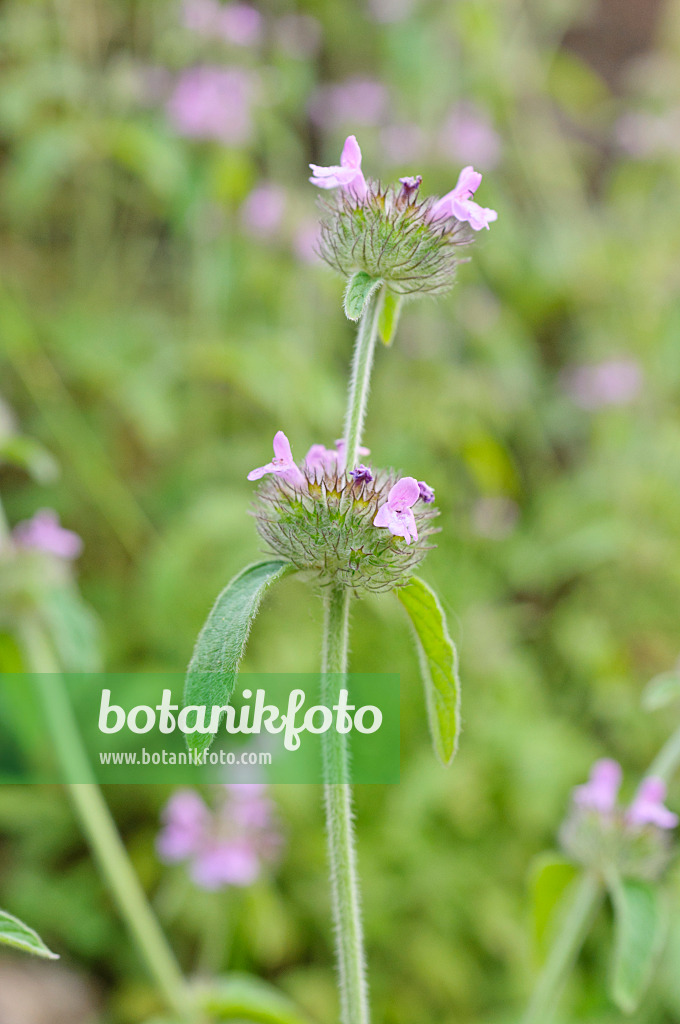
x=438 y=666
x=357 y=294
x=243 y=998
x=211 y=676
x=389 y=317
x=551 y=876
x=640 y=927
x=15 y=933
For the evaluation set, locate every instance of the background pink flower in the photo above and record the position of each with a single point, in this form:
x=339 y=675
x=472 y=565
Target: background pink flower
x=213 y=103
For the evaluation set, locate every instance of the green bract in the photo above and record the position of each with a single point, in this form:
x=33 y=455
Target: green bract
x=390 y=238
x=328 y=529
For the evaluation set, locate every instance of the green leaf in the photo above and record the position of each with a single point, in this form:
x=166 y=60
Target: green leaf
x=550 y=878
x=389 y=317
x=661 y=691
x=243 y=998
x=15 y=933
x=211 y=676
x=357 y=294
x=640 y=927
x=438 y=666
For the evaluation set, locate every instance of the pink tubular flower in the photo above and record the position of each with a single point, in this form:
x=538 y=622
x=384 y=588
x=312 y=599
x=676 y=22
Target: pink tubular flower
x=213 y=103
x=648 y=806
x=348 y=175
x=328 y=460
x=341 y=446
x=282 y=464
x=185 y=818
x=426 y=492
x=44 y=533
x=600 y=792
x=227 y=846
x=396 y=513
x=458 y=202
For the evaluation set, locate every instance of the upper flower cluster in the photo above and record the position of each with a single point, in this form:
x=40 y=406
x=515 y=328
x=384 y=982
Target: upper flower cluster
x=364 y=528
x=599 y=832
x=390 y=234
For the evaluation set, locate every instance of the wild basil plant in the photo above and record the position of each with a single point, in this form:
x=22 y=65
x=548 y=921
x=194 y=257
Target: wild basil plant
x=351 y=526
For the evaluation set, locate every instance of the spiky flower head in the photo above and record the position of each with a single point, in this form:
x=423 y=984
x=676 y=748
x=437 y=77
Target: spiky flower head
x=329 y=522
x=601 y=834
x=413 y=246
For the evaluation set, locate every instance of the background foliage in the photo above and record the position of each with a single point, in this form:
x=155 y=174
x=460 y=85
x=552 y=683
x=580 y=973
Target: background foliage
x=154 y=338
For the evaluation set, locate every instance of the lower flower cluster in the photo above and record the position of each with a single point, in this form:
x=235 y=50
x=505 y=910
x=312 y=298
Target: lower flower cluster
x=367 y=529
x=601 y=834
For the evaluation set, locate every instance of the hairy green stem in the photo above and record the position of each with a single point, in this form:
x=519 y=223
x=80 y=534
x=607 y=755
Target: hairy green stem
x=97 y=823
x=339 y=821
x=574 y=927
x=362 y=364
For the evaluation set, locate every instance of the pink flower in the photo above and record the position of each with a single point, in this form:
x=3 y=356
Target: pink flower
x=458 y=202
x=240 y=24
x=357 y=100
x=612 y=382
x=282 y=464
x=396 y=513
x=227 y=846
x=263 y=210
x=468 y=135
x=341 y=446
x=600 y=792
x=403 y=142
x=648 y=806
x=44 y=533
x=306 y=241
x=213 y=103
x=237 y=23
x=348 y=175
x=328 y=460
x=185 y=818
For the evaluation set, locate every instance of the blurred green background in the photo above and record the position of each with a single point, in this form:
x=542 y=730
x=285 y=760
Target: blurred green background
x=158 y=323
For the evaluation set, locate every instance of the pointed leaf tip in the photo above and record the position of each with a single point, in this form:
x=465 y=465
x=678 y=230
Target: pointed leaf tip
x=212 y=671
x=359 y=289
x=438 y=666
x=18 y=935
